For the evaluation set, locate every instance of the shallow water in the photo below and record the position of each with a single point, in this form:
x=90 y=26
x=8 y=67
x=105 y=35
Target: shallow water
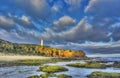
x=25 y=71
x=107 y=59
x=82 y=72
x=18 y=71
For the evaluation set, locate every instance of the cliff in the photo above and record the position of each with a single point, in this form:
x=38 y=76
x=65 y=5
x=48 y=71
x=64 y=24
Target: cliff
x=55 y=52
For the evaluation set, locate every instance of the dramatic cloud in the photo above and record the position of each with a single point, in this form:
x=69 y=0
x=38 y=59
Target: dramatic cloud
x=79 y=32
x=115 y=29
x=6 y=22
x=25 y=19
x=62 y=24
x=64 y=21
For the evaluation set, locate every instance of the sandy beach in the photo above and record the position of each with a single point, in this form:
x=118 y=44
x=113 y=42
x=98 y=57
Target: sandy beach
x=12 y=57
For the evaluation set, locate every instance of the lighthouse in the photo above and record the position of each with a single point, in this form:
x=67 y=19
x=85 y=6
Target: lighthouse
x=42 y=42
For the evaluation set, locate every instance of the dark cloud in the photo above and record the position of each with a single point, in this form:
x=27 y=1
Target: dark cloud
x=79 y=32
x=63 y=23
x=115 y=29
x=6 y=22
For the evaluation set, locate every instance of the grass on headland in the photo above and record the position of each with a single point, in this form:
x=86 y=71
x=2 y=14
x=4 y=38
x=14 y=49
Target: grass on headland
x=64 y=76
x=52 y=69
x=98 y=74
x=87 y=65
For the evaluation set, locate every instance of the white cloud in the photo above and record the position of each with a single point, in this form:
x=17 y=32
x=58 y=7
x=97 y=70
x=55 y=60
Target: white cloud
x=74 y=4
x=91 y=3
x=39 y=5
x=57 y=8
x=64 y=21
x=25 y=19
x=116 y=25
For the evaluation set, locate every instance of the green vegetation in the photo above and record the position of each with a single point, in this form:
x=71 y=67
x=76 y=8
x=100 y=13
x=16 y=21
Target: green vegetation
x=76 y=65
x=88 y=65
x=64 y=76
x=36 y=62
x=98 y=74
x=34 y=76
x=46 y=75
x=95 y=65
x=52 y=69
x=22 y=49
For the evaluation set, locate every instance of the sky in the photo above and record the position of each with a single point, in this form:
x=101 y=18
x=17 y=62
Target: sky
x=90 y=25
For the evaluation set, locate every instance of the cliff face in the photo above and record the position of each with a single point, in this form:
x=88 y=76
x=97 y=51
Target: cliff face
x=54 y=52
x=32 y=49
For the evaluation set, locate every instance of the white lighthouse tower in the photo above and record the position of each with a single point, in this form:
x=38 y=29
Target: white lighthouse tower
x=42 y=42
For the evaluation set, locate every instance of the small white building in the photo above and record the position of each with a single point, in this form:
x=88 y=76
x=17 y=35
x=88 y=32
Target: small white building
x=42 y=42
